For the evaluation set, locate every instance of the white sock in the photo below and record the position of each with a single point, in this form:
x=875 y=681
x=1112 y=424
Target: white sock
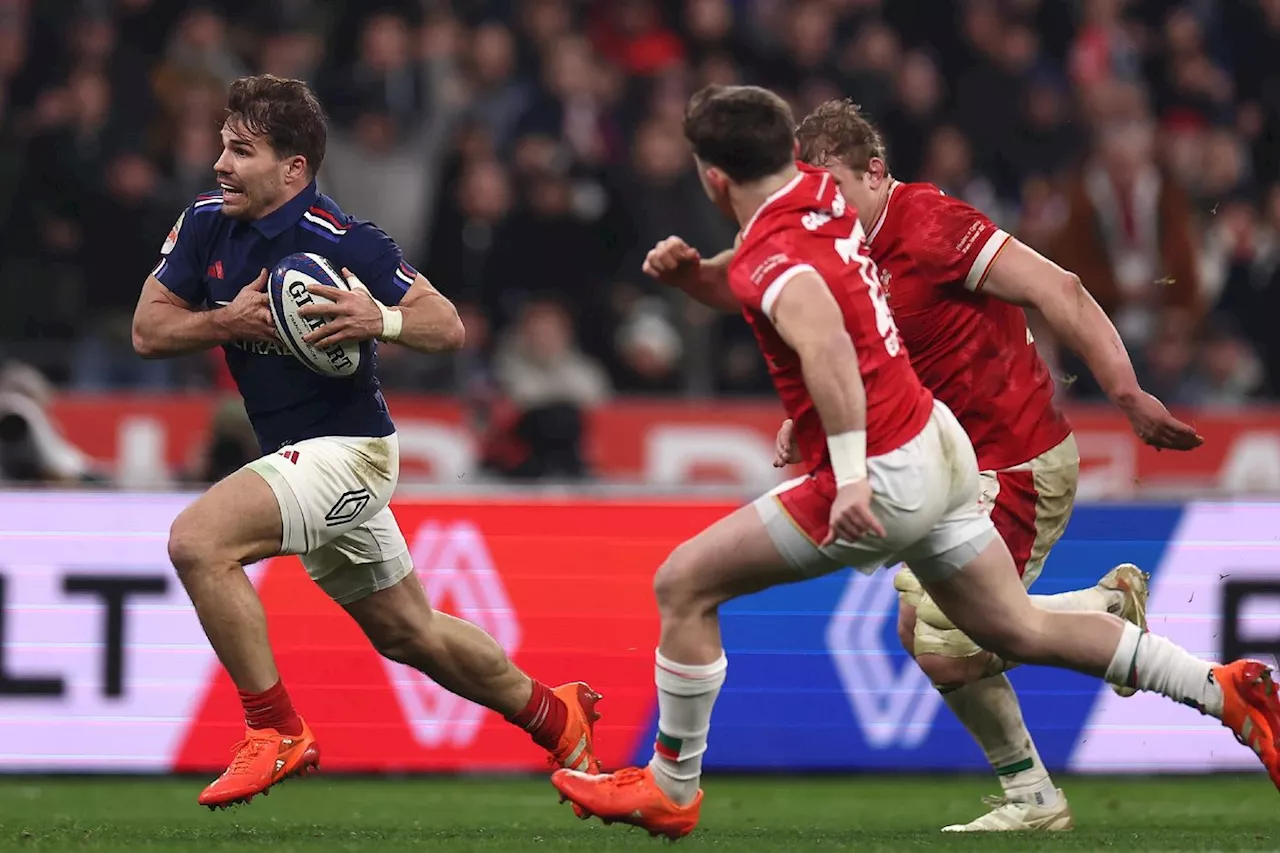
x=989 y=709
x=1151 y=662
x=1095 y=599
x=686 y=695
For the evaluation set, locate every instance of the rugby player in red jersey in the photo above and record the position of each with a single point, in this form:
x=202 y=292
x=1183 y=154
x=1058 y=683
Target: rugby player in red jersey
x=956 y=285
x=892 y=477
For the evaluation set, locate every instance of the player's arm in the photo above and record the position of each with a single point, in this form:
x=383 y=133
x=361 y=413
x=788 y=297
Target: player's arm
x=1022 y=276
x=807 y=317
x=389 y=300
x=429 y=322
x=165 y=325
x=677 y=264
x=167 y=321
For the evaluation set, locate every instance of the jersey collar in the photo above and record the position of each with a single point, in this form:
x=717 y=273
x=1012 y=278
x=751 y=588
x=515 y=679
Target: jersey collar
x=281 y=220
x=777 y=194
x=884 y=212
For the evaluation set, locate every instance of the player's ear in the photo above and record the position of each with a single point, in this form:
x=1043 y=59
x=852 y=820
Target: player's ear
x=795 y=150
x=296 y=168
x=877 y=171
x=718 y=180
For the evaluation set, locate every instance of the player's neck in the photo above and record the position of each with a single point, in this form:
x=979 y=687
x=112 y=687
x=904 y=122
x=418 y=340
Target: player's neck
x=289 y=194
x=746 y=199
x=872 y=216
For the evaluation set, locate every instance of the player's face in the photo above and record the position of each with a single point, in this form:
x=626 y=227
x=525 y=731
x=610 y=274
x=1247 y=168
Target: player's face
x=252 y=178
x=856 y=186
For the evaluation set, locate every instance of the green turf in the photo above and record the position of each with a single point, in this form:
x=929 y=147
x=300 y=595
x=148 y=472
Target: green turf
x=773 y=814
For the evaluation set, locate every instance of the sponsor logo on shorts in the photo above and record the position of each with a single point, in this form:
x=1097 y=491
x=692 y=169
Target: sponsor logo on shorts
x=349 y=505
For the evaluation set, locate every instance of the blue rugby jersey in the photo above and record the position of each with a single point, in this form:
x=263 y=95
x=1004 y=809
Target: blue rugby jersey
x=209 y=257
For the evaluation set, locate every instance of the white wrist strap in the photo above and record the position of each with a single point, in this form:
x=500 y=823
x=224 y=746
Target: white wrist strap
x=848 y=456
x=392 y=319
x=392 y=322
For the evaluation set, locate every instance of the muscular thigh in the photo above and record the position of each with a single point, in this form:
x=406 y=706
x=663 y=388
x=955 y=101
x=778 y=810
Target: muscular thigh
x=393 y=613
x=736 y=556
x=236 y=520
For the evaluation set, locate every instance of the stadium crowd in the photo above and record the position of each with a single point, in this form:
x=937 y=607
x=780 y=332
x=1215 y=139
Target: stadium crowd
x=527 y=153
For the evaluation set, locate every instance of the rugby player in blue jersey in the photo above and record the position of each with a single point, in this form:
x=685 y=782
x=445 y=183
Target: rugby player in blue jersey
x=330 y=456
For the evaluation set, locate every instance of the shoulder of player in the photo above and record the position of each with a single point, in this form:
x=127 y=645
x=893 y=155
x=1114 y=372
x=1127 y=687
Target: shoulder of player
x=921 y=199
x=325 y=218
x=196 y=220
x=355 y=243
x=199 y=213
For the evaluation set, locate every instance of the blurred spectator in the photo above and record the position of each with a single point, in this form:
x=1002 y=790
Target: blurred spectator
x=538 y=362
x=125 y=212
x=465 y=253
x=498 y=97
x=231 y=444
x=1128 y=234
x=525 y=147
x=1229 y=373
x=385 y=74
x=551 y=383
x=910 y=121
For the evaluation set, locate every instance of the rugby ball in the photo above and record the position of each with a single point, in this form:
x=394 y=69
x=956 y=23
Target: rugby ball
x=288 y=292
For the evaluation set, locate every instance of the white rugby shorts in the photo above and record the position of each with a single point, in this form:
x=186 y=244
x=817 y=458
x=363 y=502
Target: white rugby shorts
x=925 y=494
x=333 y=494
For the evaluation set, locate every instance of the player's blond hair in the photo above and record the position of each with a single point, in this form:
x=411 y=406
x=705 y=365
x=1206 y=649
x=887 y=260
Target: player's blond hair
x=838 y=130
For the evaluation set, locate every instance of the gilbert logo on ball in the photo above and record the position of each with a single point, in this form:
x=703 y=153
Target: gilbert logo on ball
x=288 y=291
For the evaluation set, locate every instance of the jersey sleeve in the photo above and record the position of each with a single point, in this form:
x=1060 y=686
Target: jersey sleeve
x=958 y=243
x=180 y=269
x=757 y=279
x=377 y=261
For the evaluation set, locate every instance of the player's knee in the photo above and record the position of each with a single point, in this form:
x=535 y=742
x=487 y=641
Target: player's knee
x=952 y=673
x=188 y=544
x=404 y=642
x=677 y=585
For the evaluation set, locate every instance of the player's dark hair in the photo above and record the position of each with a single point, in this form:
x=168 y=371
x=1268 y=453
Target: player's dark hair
x=284 y=112
x=838 y=129
x=746 y=131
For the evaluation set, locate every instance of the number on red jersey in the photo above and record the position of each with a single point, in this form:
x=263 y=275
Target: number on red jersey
x=852 y=250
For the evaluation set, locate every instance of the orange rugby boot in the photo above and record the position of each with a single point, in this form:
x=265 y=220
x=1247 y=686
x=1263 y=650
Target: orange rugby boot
x=264 y=758
x=628 y=796
x=1251 y=709
x=576 y=749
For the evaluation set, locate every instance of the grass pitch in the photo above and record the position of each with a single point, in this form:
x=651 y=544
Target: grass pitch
x=774 y=814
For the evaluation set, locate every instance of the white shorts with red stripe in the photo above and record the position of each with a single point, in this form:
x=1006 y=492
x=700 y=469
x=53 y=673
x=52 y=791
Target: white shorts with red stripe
x=925 y=494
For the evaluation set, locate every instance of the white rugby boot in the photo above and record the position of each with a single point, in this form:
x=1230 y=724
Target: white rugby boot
x=1016 y=816
x=1131 y=582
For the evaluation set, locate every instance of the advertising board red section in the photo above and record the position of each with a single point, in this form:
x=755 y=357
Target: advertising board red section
x=565 y=587
x=146 y=439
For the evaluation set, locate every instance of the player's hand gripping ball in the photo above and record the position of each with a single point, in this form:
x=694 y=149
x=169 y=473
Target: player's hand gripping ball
x=291 y=288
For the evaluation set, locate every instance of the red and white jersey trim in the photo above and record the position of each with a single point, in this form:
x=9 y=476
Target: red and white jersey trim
x=774 y=289
x=986 y=257
x=786 y=188
x=884 y=213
